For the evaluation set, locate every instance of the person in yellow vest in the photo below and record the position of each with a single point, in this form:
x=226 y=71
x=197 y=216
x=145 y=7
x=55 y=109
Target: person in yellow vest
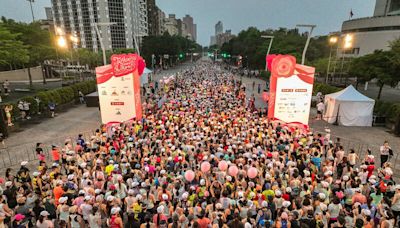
x=137 y=207
x=36 y=182
x=109 y=167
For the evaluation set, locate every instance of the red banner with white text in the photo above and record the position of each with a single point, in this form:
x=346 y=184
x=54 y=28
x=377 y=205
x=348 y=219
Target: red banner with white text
x=119 y=88
x=291 y=88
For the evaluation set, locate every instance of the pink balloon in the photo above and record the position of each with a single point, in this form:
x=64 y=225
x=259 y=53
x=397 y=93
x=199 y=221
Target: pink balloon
x=252 y=172
x=223 y=165
x=233 y=170
x=189 y=175
x=205 y=167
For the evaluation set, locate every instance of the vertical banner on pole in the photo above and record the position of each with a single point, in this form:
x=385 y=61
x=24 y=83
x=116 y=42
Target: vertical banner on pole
x=291 y=88
x=119 y=88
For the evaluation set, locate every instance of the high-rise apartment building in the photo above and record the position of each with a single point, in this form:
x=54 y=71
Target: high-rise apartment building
x=171 y=25
x=219 y=28
x=161 y=22
x=120 y=22
x=152 y=17
x=190 y=27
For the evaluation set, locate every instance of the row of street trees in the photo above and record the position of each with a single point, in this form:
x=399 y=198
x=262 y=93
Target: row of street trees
x=23 y=45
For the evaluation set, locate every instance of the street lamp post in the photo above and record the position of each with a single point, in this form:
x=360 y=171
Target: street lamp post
x=62 y=42
x=347 y=44
x=311 y=27
x=333 y=40
x=269 y=47
x=101 y=40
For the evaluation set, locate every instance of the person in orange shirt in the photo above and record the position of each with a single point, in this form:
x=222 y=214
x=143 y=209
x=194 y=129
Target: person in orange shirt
x=58 y=191
x=358 y=197
x=55 y=154
x=203 y=221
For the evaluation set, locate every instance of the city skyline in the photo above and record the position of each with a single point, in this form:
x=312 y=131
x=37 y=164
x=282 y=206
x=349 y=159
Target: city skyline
x=238 y=16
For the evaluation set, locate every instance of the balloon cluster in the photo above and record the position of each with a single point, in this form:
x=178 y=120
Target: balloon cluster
x=223 y=166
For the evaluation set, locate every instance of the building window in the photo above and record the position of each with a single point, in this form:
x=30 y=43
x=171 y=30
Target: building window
x=394 y=5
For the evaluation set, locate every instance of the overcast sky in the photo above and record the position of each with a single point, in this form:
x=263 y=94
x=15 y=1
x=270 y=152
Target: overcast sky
x=328 y=15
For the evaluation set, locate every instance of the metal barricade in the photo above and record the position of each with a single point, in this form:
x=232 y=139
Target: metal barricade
x=13 y=155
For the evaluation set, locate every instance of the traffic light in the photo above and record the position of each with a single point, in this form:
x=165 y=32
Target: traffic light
x=181 y=56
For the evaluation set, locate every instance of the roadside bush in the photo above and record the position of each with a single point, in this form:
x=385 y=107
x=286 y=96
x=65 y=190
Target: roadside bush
x=387 y=109
x=44 y=97
x=33 y=108
x=59 y=96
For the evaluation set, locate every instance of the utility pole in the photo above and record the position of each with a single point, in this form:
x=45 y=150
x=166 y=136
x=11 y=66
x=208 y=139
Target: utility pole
x=333 y=40
x=30 y=3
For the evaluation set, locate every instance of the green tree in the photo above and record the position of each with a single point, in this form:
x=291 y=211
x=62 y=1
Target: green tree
x=12 y=51
x=37 y=41
x=87 y=57
x=378 y=65
x=360 y=68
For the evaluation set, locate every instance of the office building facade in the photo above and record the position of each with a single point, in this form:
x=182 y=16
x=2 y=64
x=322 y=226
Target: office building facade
x=373 y=33
x=191 y=28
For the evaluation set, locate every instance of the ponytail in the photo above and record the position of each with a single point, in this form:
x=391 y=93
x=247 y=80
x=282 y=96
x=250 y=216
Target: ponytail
x=41 y=218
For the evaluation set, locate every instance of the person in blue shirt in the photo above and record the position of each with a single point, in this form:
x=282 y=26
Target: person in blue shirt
x=317 y=160
x=81 y=141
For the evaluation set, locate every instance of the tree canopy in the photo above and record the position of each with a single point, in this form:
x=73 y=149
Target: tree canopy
x=36 y=42
x=13 y=52
x=380 y=65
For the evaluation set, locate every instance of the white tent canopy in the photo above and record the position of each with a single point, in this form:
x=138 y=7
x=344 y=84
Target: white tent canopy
x=144 y=79
x=349 y=107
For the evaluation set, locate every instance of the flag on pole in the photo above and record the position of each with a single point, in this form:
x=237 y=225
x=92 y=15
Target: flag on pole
x=351 y=13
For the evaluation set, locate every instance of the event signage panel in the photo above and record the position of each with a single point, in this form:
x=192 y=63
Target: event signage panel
x=291 y=88
x=118 y=87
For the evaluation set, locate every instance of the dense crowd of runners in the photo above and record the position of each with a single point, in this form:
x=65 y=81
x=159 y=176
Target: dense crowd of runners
x=201 y=158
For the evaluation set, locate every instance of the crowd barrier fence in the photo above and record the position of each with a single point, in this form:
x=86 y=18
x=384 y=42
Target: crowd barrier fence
x=13 y=155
